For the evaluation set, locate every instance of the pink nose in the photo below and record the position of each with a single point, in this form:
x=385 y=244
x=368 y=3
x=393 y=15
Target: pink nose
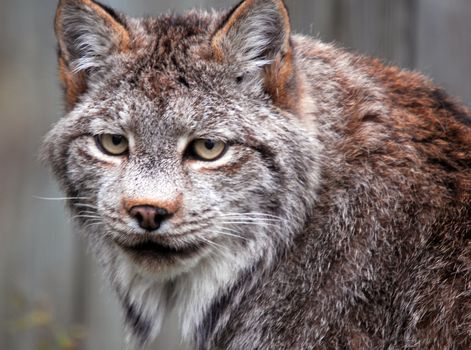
x=149 y=217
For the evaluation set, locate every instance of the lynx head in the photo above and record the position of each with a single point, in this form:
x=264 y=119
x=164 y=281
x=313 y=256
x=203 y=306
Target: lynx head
x=183 y=146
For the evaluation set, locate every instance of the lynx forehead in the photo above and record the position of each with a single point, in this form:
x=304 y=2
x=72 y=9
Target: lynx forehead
x=277 y=192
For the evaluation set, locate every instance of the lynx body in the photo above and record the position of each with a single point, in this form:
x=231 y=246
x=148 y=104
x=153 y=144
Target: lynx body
x=277 y=192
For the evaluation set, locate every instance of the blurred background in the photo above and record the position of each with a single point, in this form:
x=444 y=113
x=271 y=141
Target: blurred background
x=52 y=294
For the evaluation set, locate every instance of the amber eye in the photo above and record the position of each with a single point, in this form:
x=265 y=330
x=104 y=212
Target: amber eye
x=207 y=150
x=114 y=145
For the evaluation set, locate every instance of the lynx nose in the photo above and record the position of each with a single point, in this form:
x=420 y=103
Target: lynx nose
x=149 y=217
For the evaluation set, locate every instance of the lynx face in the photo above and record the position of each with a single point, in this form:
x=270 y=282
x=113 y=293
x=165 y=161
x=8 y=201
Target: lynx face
x=166 y=163
x=174 y=149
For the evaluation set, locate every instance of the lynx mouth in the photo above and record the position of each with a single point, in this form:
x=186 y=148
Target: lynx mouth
x=150 y=250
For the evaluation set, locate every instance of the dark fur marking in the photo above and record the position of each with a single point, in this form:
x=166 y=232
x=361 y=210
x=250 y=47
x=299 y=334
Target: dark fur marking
x=207 y=328
x=444 y=164
x=181 y=78
x=446 y=103
x=268 y=155
x=373 y=118
x=140 y=326
x=452 y=186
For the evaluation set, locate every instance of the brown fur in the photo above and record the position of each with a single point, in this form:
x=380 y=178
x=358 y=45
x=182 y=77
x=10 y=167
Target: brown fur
x=282 y=84
x=74 y=84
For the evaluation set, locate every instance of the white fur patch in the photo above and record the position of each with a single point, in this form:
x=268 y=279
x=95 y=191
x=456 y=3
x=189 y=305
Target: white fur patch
x=188 y=294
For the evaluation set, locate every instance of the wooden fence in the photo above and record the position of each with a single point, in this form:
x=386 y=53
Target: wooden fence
x=43 y=266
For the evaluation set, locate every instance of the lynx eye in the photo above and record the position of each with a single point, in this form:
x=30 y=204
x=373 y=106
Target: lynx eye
x=112 y=144
x=207 y=150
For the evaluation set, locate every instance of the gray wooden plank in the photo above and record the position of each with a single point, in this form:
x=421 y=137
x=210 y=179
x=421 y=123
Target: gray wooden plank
x=102 y=314
x=381 y=28
x=444 y=44
x=313 y=17
x=36 y=240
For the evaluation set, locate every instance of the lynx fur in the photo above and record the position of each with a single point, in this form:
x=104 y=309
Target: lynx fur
x=338 y=217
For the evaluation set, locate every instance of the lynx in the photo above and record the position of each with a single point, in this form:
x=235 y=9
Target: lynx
x=274 y=191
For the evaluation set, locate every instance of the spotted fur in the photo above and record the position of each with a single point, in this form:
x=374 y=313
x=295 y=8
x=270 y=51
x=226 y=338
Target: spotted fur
x=339 y=217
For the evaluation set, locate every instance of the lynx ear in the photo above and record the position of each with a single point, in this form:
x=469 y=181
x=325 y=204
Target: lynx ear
x=87 y=33
x=256 y=34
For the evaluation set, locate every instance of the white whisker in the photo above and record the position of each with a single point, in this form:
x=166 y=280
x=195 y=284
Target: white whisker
x=230 y=235
x=87 y=212
x=86 y=217
x=253 y=214
x=83 y=205
x=229 y=229
x=249 y=223
x=60 y=198
x=253 y=219
x=219 y=247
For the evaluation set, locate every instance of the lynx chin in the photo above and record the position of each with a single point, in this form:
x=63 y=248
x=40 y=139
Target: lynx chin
x=275 y=191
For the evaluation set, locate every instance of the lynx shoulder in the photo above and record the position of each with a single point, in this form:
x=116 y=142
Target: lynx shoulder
x=275 y=191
